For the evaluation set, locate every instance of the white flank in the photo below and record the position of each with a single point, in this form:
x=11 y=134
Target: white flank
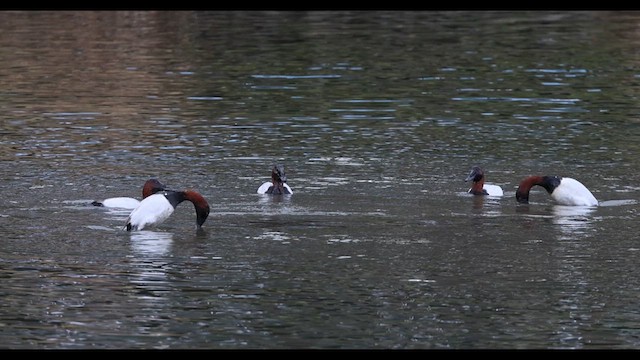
x=152 y=211
x=264 y=187
x=493 y=190
x=572 y=192
x=121 y=203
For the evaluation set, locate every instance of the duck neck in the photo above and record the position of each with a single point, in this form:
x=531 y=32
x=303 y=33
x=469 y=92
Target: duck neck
x=477 y=188
x=200 y=204
x=175 y=197
x=277 y=187
x=549 y=183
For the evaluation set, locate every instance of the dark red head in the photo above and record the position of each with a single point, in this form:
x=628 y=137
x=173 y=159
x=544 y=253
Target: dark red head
x=278 y=175
x=278 y=179
x=477 y=177
x=151 y=187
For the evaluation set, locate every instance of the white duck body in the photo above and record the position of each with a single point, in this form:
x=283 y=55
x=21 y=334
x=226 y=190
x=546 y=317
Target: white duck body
x=493 y=190
x=572 y=192
x=564 y=190
x=153 y=210
x=265 y=187
x=150 y=187
x=121 y=203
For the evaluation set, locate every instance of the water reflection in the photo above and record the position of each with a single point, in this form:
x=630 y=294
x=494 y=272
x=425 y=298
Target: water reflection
x=151 y=243
x=486 y=205
x=275 y=204
x=274 y=199
x=572 y=254
x=118 y=215
x=150 y=263
x=573 y=220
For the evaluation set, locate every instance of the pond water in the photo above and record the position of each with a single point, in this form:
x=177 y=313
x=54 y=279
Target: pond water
x=378 y=117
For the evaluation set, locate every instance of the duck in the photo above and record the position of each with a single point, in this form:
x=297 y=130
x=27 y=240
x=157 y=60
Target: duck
x=150 y=187
x=479 y=187
x=156 y=208
x=278 y=184
x=564 y=190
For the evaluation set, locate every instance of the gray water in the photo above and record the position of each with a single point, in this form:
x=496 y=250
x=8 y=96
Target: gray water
x=378 y=118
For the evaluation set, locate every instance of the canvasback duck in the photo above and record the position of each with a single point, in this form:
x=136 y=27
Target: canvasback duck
x=564 y=190
x=479 y=187
x=157 y=208
x=150 y=187
x=278 y=184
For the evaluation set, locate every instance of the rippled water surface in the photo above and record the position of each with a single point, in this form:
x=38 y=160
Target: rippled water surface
x=378 y=117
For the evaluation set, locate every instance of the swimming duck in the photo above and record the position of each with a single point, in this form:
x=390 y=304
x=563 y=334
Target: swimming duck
x=278 y=184
x=564 y=190
x=157 y=208
x=150 y=187
x=479 y=187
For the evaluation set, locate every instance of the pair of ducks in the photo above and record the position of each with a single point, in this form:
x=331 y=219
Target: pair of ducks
x=564 y=190
x=158 y=202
